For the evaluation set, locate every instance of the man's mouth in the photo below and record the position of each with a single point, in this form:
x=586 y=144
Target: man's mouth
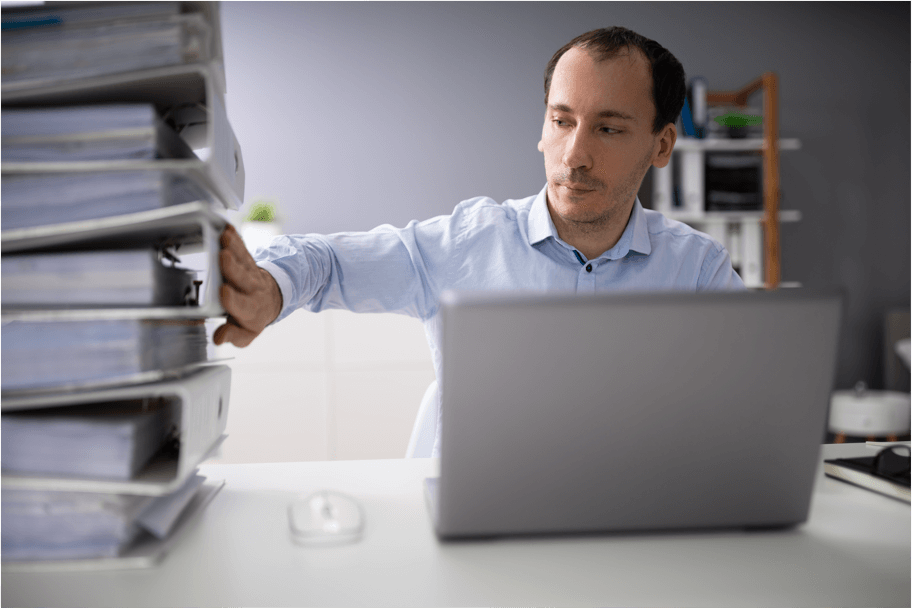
x=577 y=188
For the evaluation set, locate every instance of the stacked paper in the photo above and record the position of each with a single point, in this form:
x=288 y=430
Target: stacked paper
x=59 y=354
x=52 y=198
x=93 y=279
x=85 y=133
x=107 y=441
x=42 y=525
x=61 y=43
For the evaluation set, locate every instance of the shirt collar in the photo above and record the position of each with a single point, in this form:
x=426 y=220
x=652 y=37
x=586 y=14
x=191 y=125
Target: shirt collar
x=634 y=238
x=540 y=224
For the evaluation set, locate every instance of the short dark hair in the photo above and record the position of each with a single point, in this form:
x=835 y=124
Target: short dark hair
x=668 y=80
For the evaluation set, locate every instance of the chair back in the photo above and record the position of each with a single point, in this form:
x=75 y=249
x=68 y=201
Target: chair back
x=424 y=432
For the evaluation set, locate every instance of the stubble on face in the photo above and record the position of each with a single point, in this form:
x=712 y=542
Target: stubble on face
x=614 y=201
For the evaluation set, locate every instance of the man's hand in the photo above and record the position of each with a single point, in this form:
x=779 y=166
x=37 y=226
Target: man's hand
x=248 y=293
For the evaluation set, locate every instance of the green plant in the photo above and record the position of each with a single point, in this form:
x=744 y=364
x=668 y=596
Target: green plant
x=261 y=211
x=735 y=119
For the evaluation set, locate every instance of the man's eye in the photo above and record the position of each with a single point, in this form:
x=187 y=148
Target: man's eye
x=610 y=130
x=559 y=122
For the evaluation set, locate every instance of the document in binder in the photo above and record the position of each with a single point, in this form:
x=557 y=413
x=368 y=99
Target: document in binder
x=96 y=441
x=40 y=355
x=52 y=198
x=46 y=525
x=97 y=279
x=49 y=45
x=89 y=133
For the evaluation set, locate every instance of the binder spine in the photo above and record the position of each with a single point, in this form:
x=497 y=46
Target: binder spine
x=227 y=155
x=692 y=172
x=203 y=417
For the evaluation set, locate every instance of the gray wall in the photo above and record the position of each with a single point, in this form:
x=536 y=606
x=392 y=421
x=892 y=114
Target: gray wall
x=353 y=115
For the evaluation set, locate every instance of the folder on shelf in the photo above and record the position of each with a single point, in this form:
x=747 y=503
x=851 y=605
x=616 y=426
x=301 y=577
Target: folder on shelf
x=696 y=96
x=100 y=279
x=89 y=133
x=196 y=408
x=663 y=187
x=50 y=45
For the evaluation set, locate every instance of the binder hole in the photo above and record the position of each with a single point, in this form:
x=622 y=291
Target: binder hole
x=220 y=408
x=237 y=163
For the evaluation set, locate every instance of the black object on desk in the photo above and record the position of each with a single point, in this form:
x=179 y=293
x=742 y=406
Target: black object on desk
x=886 y=473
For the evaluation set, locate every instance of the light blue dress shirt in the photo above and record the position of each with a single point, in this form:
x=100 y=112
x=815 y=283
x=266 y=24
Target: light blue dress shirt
x=485 y=246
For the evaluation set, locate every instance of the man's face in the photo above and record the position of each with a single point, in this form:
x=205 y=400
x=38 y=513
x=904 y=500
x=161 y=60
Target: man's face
x=597 y=138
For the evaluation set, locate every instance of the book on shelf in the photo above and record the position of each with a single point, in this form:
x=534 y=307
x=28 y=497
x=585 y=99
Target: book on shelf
x=57 y=354
x=687 y=179
x=47 y=46
x=696 y=97
x=42 y=199
x=687 y=126
x=886 y=473
x=50 y=525
x=89 y=133
x=94 y=441
x=94 y=279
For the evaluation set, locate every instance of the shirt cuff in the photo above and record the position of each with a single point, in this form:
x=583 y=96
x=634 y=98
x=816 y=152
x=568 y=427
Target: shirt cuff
x=284 y=281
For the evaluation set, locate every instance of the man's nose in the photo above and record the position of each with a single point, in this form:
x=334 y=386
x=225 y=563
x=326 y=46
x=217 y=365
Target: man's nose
x=578 y=154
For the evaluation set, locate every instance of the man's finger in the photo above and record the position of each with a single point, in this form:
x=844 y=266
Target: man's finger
x=228 y=234
x=233 y=334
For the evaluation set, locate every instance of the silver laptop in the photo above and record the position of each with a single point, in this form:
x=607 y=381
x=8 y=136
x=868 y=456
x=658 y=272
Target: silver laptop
x=623 y=412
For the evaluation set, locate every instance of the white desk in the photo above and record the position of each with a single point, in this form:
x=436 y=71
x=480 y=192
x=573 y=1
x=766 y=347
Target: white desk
x=853 y=551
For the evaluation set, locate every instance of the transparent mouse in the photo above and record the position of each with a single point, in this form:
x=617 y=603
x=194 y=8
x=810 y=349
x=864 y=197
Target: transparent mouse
x=326 y=518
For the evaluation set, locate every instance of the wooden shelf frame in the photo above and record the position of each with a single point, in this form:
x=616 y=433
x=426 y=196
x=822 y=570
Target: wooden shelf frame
x=768 y=83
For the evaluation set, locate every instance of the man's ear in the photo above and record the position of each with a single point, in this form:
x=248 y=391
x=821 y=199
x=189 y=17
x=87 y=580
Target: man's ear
x=665 y=145
x=541 y=146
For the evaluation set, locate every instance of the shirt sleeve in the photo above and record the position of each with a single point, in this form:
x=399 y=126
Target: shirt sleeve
x=717 y=273
x=398 y=270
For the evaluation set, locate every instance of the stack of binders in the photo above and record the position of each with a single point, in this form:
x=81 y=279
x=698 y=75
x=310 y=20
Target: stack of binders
x=116 y=157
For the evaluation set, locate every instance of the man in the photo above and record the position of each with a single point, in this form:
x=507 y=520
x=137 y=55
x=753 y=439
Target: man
x=611 y=100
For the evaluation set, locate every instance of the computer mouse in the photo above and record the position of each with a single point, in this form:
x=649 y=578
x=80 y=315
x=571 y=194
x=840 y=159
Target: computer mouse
x=326 y=518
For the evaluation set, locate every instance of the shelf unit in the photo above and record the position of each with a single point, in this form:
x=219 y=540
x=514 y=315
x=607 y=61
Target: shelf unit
x=752 y=237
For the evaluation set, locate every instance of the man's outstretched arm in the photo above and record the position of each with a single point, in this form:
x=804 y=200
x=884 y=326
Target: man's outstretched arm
x=248 y=293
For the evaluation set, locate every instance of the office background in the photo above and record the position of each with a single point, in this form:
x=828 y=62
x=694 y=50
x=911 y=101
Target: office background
x=354 y=115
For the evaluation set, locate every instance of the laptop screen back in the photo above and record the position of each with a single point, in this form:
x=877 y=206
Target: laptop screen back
x=634 y=411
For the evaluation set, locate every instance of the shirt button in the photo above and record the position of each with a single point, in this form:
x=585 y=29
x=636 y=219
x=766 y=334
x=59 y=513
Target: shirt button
x=588 y=267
